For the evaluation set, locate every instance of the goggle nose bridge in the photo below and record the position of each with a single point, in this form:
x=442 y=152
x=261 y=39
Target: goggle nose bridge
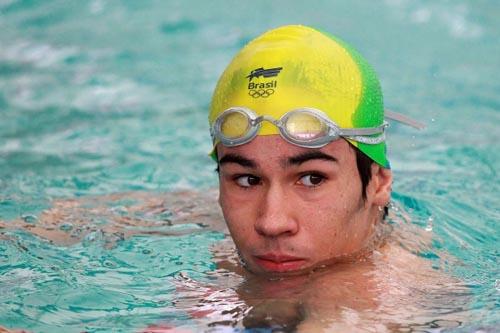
x=258 y=120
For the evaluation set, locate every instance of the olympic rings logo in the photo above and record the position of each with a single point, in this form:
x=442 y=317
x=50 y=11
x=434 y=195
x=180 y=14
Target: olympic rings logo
x=264 y=93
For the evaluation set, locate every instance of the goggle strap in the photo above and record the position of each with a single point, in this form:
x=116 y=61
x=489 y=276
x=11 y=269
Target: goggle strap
x=363 y=131
x=370 y=140
x=404 y=119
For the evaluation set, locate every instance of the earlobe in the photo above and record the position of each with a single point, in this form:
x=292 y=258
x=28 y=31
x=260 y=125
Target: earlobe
x=382 y=185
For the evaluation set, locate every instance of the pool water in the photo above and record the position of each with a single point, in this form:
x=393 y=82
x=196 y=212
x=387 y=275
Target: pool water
x=101 y=98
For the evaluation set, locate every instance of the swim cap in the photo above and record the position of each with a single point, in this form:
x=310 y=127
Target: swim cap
x=295 y=66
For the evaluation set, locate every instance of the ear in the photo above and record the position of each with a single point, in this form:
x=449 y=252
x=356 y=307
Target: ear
x=380 y=186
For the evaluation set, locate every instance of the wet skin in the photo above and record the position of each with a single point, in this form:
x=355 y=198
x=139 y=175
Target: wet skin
x=290 y=209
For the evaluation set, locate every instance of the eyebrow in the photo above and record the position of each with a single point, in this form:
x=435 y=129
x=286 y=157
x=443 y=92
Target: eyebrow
x=238 y=159
x=308 y=156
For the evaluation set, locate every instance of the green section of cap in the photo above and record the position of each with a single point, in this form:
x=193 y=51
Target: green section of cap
x=370 y=111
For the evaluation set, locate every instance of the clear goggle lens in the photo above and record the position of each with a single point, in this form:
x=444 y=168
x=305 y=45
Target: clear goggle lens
x=235 y=125
x=304 y=126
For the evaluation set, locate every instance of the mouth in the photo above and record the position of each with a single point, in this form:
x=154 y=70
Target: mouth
x=279 y=263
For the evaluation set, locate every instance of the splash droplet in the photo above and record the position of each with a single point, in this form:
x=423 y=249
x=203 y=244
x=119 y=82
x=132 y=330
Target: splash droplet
x=429 y=225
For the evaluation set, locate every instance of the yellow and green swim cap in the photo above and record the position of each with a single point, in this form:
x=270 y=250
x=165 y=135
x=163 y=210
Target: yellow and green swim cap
x=295 y=66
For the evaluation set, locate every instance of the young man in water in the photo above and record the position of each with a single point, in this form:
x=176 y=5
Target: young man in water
x=298 y=124
x=298 y=128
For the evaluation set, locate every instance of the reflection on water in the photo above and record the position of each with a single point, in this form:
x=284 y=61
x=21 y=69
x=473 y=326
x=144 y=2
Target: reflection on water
x=104 y=96
x=142 y=250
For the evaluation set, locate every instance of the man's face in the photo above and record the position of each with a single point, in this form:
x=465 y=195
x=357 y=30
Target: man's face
x=290 y=209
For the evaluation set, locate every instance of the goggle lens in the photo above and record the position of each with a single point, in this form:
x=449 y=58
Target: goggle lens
x=235 y=125
x=305 y=126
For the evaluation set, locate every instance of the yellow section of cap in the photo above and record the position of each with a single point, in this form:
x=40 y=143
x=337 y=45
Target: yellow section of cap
x=317 y=72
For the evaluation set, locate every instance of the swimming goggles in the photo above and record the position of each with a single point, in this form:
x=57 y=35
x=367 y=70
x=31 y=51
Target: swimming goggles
x=304 y=127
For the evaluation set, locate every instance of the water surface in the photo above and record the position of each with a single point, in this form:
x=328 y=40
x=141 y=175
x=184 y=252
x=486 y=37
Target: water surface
x=105 y=97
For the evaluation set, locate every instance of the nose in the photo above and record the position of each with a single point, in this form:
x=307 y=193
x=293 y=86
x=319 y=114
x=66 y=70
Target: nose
x=276 y=216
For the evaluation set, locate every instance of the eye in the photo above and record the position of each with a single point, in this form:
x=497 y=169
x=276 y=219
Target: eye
x=247 y=180
x=312 y=179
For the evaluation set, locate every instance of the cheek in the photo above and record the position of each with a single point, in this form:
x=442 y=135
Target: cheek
x=238 y=215
x=320 y=219
x=334 y=206
x=328 y=221
x=323 y=222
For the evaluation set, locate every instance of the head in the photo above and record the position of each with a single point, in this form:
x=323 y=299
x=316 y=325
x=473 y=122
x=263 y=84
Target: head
x=303 y=188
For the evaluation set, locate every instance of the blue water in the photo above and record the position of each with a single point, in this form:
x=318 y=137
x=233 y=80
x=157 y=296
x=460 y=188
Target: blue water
x=100 y=97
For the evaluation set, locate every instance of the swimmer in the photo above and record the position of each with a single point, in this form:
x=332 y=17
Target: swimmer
x=298 y=127
x=299 y=138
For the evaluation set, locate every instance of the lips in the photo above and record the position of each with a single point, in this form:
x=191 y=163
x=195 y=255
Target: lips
x=276 y=262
